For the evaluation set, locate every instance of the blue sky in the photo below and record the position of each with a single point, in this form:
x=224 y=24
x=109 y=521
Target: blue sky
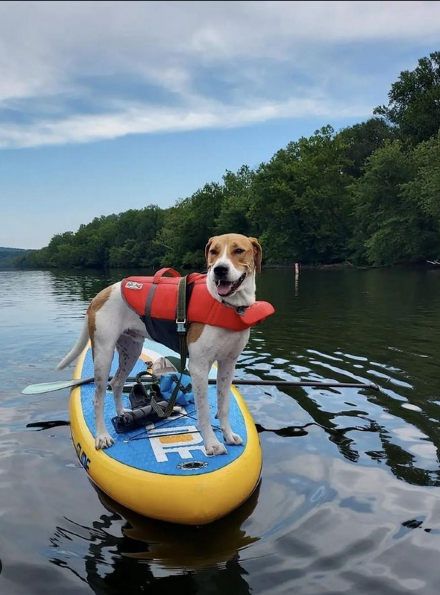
x=107 y=106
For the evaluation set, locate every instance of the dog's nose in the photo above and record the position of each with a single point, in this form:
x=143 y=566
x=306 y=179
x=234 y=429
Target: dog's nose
x=221 y=270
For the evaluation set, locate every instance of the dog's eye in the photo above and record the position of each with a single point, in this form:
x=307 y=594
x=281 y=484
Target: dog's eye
x=239 y=250
x=213 y=252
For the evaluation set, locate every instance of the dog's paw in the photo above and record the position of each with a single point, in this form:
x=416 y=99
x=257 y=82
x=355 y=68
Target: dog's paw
x=214 y=447
x=103 y=441
x=232 y=438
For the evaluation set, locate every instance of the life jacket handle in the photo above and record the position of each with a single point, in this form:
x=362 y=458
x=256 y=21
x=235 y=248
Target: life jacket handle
x=163 y=272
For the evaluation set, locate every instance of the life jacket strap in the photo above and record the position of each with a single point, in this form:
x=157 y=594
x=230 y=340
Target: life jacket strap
x=183 y=347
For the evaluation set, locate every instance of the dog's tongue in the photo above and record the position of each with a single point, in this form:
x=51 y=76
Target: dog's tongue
x=224 y=287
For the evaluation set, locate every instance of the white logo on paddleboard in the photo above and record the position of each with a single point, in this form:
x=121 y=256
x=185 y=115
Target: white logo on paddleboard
x=181 y=439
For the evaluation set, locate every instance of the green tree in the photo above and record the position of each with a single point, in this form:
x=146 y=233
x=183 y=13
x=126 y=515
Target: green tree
x=126 y=239
x=362 y=140
x=391 y=222
x=414 y=101
x=424 y=190
x=301 y=207
x=188 y=226
x=126 y=256
x=237 y=200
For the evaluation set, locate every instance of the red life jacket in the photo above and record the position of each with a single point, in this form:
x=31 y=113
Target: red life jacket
x=154 y=299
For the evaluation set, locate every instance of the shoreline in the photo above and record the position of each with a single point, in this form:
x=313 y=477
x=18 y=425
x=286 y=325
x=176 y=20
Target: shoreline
x=426 y=265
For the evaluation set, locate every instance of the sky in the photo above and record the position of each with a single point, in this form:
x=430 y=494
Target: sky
x=110 y=106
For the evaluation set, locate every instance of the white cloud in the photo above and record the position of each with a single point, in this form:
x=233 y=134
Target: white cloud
x=276 y=59
x=140 y=119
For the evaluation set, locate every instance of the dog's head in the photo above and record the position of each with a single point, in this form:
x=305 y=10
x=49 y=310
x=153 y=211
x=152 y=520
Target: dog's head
x=232 y=260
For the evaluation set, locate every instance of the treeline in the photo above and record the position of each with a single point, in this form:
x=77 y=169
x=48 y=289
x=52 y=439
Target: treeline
x=8 y=256
x=368 y=194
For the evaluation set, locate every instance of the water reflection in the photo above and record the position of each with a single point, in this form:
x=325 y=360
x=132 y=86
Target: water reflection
x=128 y=553
x=380 y=326
x=84 y=285
x=345 y=444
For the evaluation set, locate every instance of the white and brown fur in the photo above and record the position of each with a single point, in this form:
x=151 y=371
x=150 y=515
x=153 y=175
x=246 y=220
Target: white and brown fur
x=110 y=323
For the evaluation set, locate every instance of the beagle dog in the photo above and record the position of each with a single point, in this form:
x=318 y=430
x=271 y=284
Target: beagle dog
x=232 y=261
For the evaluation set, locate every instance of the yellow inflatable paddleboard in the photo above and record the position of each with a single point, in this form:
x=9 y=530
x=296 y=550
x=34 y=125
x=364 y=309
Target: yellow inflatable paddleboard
x=160 y=469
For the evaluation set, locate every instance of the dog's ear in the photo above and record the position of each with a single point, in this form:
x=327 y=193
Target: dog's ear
x=258 y=254
x=207 y=247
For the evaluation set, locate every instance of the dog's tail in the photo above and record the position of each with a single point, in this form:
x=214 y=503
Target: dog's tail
x=77 y=348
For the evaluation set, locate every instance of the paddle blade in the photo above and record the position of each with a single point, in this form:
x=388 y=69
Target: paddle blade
x=48 y=387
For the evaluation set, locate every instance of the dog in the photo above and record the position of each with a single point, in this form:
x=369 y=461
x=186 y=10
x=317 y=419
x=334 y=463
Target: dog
x=232 y=263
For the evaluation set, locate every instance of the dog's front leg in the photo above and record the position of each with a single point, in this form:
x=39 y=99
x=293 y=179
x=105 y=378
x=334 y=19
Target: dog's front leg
x=199 y=374
x=226 y=368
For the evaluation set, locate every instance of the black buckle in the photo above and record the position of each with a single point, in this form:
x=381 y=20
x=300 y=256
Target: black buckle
x=181 y=326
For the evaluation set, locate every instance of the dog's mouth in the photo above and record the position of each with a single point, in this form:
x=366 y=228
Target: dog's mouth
x=227 y=288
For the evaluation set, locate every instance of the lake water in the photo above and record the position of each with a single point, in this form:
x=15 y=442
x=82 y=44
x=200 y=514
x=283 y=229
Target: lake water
x=349 y=500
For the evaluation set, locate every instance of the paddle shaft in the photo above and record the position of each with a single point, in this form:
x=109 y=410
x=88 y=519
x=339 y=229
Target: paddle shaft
x=48 y=387
x=310 y=383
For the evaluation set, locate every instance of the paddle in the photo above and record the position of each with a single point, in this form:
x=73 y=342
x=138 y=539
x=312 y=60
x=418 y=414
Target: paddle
x=47 y=387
